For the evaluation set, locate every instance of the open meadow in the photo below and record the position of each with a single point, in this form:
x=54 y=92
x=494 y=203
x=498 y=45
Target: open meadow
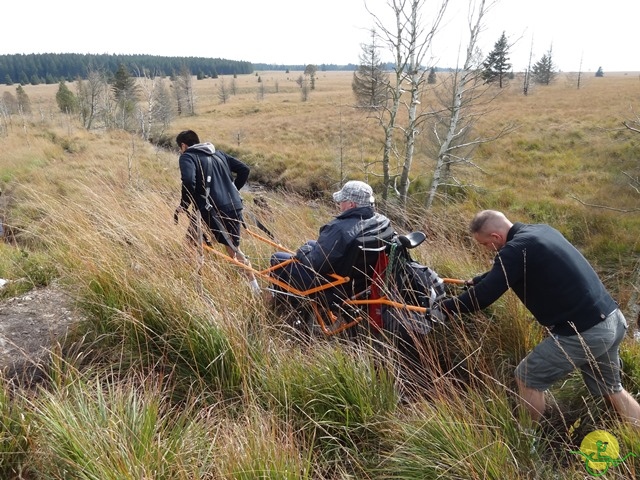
x=179 y=372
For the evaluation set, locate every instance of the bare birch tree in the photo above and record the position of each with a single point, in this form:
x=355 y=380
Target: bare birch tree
x=155 y=112
x=527 y=73
x=260 y=92
x=303 y=82
x=93 y=98
x=6 y=112
x=419 y=44
x=9 y=103
x=409 y=41
x=464 y=98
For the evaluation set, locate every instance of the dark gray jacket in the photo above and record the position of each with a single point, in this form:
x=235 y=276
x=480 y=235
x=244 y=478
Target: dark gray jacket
x=548 y=274
x=335 y=249
x=208 y=178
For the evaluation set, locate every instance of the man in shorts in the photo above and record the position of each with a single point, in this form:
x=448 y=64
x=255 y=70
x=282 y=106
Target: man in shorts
x=211 y=180
x=563 y=292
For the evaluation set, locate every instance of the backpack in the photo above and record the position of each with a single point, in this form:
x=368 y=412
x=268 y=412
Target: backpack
x=418 y=284
x=411 y=283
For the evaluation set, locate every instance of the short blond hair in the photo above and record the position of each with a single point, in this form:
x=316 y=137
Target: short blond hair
x=487 y=221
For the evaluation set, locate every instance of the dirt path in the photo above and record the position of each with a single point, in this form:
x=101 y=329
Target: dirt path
x=31 y=323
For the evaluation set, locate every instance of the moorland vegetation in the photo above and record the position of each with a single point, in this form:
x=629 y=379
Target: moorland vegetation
x=180 y=373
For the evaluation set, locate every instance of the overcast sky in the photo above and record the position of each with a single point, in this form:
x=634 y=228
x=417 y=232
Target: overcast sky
x=584 y=34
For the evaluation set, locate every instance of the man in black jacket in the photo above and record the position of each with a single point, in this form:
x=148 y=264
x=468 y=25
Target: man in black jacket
x=208 y=182
x=333 y=251
x=563 y=292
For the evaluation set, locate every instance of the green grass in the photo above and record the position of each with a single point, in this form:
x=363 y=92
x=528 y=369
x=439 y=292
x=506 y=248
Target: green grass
x=24 y=270
x=15 y=431
x=93 y=428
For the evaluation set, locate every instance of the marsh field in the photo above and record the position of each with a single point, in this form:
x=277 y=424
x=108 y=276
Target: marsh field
x=178 y=372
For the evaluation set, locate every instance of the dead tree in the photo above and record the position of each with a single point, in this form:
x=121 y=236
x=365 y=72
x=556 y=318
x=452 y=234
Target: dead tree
x=409 y=42
x=183 y=91
x=223 y=91
x=464 y=97
x=93 y=98
x=155 y=112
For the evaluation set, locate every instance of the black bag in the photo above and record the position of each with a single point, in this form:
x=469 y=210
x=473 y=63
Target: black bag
x=417 y=284
x=413 y=284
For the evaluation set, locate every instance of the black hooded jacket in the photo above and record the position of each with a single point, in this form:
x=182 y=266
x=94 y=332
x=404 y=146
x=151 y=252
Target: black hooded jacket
x=207 y=179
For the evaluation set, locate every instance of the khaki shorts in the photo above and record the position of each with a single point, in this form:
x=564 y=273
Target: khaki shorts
x=594 y=352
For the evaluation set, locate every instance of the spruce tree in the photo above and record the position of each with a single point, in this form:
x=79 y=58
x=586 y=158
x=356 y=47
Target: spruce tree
x=431 y=79
x=24 y=103
x=66 y=100
x=370 y=81
x=496 y=67
x=543 y=71
x=124 y=85
x=125 y=91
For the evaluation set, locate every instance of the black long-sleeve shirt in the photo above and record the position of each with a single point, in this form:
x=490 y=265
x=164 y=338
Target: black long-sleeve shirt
x=548 y=274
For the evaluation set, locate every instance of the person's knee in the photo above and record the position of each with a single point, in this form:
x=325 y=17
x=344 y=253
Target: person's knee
x=279 y=257
x=614 y=396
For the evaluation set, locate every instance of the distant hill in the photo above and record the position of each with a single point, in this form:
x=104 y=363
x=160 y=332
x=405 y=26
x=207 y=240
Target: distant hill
x=50 y=68
x=324 y=67
x=55 y=67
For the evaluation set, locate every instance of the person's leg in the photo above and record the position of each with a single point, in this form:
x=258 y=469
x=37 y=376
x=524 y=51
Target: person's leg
x=230 y=238
x=626 y=406
x=602 y=373
x=298 y=276
x=532 y=399
x=241 y=257
x=543 y=366
x=293 y=274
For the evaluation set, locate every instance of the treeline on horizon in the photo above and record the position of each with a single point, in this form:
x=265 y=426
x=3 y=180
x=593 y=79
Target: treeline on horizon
x=51 y=68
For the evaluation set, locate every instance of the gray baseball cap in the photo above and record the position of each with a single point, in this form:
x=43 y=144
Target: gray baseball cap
x=355 y=191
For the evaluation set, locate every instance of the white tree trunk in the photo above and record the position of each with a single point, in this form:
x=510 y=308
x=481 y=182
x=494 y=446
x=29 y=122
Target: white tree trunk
x=462 y=80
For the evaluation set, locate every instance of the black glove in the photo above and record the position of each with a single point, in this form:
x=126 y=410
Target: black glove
x=435 y=315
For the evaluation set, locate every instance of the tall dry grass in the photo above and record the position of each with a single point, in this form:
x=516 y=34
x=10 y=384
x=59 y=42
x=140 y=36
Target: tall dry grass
x=180 y=372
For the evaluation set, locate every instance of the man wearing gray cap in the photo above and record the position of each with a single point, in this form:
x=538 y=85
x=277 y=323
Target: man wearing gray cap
x=333 y=251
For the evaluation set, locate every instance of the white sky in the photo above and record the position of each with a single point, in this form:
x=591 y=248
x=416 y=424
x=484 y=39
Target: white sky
x=321 y=31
